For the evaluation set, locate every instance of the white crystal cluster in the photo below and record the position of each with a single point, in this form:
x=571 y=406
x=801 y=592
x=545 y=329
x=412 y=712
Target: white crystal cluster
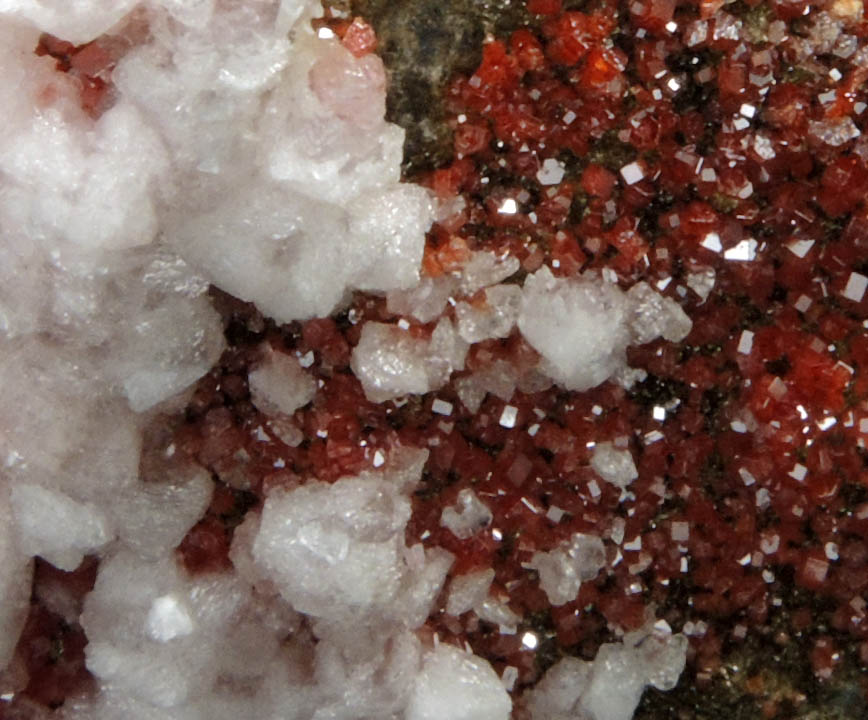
x=610 y=687
x=563 y=570
x=239 y=149
x=468 y=516
x=390 y=362
x=316 y=621
x=581 y=328
x=279 y=385
x=336 y=551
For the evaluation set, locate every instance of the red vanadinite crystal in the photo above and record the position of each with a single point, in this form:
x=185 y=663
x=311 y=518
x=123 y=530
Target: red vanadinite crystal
x=91 y=66
x=359 y=38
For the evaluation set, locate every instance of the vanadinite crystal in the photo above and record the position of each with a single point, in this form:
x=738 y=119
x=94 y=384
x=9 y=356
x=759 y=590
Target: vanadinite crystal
x=715 y=151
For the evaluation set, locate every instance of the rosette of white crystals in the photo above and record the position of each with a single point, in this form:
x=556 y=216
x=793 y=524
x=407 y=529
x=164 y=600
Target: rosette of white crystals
x=581 y=326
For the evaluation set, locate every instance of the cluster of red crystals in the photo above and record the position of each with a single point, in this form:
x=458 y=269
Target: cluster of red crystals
x=696 y=144
x=355 y=34
x=48 y=665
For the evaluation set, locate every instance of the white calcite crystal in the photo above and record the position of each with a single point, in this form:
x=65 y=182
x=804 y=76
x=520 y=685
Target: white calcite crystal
x=456 y=685
x=578 y=325
x=332 y=549
x=581 y=326
x=654 y=315
x=52 y=525
x=391 y=362
x=153 y=517
x=424 y=302
x=75 y=436
x=495 y=318
x=499 y=378
x=467 y=517
x=614 y=465
x=181 y=339
x=163 y=640
x=361 y=674
x=279 y=385
x=610 y=687
x=468 y=591
x=320 y=206
x=484 y=269
x=497 y=612
x=336 y=551
x=563 y=570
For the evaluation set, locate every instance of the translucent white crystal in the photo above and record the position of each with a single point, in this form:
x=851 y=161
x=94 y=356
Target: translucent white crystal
x=610 y=687
x=162 y=639
x=56 y=527
x=309 y=177
x=467 y=591
x=391 y=362
x=420 y=587
x=314 y=555
x=74 y=437
x=494 y=319
x=279 y=385
x=457 y=685
x=614 y=465
x=468 y=516
x=166 y=349
x=497 y=612
x=335 y=549
x=387 y=231
x=654 y=315
x=499 y=378
x=579 y=326
x=425 y=301
x=486 y=268
x=564 y=569
x=153 y=517
x=556 y=695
